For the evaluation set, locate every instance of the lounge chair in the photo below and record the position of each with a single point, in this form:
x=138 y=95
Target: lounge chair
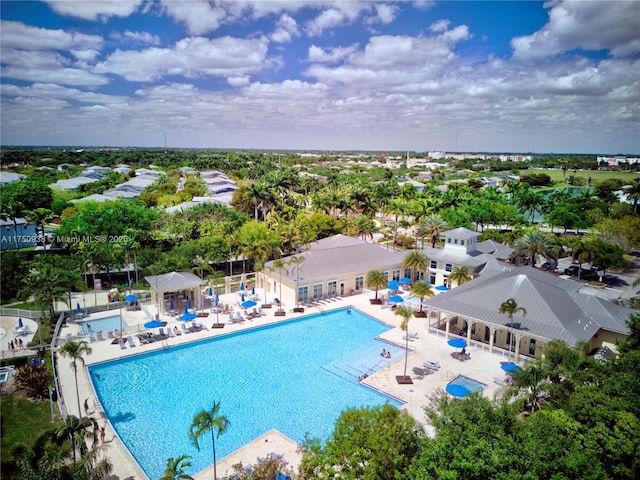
x=184 y=328
x=170 y=333
x=100 y=335
x=131 y=342
x=202 y=326
x=92 y=337
x=431 y=365
x=123 y=346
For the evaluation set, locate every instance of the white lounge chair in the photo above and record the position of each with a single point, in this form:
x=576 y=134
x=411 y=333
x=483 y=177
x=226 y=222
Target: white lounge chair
x=92 y=338
x=410 y=336
x=202 y=326
x=432 y=365
x=131 y=341
x=123 y=346
x=184 y=328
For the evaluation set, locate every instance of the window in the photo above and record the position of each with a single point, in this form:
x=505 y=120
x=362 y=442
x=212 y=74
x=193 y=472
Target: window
x=434 y=264
x=461 y=241
x=487 y=334
x=303 y=294
x=386 y=275
x=455 y=241
x=449 y=240
x=332 y=287
x=448 y=267
x=532 y=346
x=396 y=275
x=317 y=290
x=432 y=279
x=359 y=282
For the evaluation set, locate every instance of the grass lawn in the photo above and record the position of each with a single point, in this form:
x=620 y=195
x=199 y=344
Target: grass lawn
x=560 y=178
x=23 y=420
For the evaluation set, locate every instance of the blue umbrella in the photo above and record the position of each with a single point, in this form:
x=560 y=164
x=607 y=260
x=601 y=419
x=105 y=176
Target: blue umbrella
x=441 y=288
x=242 y=286
x=458 y=343
x=130 y=298
x=211 y=292
x=457 y=390
x=217 y=300
x=78 y=307
x=153 y=324
x=188 y=304
x=393 y=285
x=405 y=280
x=510 y=367
x=253 y=290
x=187 y=317
x=242 y=298
x=20 y=325
x=396 y=299
x=248 y=304
x=171 y=305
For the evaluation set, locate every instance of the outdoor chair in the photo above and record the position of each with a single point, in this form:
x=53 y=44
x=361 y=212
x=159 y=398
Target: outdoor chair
x=131 y=342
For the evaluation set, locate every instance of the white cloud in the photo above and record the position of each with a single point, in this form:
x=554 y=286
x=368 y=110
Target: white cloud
x=17 y=35
x=439 y=26
x=611 y=26
x=145 y=38
x=92 y=10
x=190 y=57
x=337 y=54
x=199 y=17
x=286 y=29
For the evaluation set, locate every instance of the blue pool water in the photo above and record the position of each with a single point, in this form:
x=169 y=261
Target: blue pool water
x=471 y=384
x=295 y=377
x=102 y=324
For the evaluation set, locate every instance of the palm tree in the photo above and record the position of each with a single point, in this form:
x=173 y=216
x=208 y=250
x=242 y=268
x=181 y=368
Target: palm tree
x=75 y=351
x=175 y=468
x=376 y=279
x=532 y=244
x=406 y=314
x=77 y=432
x=209 y=421
x=633 y=193
x=280 y=264
x=510 y=307
x=422 y=290
x=434 y=225
x=415 y=260
x=459 y=275
x=583 y=252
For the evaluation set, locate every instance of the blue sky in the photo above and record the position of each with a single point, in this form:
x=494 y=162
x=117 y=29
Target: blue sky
x=560 y=76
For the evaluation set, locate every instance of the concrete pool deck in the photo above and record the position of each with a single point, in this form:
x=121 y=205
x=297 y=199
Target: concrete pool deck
x=428 y=346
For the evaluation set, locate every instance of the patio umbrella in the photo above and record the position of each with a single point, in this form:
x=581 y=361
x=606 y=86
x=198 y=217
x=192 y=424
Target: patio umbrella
x=188 y=304
x=216 y=300
x=78 y=309
x=442 y=288
x=20 y=325
x=210 y=292
x=253 y=290
x=457 y=390
x=396 y=299
x=405 y=280
x=242 y=286
x=186 y=316
x=510 y=367
x=153 y=324
x=248 y=304
x=242 y=298
x=393 y=285
x=130 y=298
x=457 y=343
x=171 y=305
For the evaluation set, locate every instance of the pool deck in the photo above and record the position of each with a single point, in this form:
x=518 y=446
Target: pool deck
x=481 y=366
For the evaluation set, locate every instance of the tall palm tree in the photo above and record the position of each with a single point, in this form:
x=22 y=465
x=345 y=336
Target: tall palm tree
x=583 y=252
x=459 y=275
x=434 y=226
x=175 y=468
x=406 y=314
x=209 y=421
x=422 y=290
x=376 y=279
x=75 y=351
x=510 y=307
x=415 y=260
x=280 y=265
x=77 y=431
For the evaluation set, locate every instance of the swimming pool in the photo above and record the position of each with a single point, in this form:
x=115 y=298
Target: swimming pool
x=295 y=377
x=469 y=383
x=102 y=324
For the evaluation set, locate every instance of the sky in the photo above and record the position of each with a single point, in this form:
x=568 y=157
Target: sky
x=502 y=76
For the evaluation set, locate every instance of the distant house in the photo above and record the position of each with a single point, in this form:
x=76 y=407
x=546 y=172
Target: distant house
x=25 y=236
x=10 y=177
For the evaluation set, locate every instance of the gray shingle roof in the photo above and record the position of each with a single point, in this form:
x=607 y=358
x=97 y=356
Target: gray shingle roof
x=555 y=309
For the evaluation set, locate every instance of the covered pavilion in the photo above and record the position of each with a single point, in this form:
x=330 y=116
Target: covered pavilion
x=180 y=283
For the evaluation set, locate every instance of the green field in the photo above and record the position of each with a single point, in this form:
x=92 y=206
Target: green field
x=560 y=178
